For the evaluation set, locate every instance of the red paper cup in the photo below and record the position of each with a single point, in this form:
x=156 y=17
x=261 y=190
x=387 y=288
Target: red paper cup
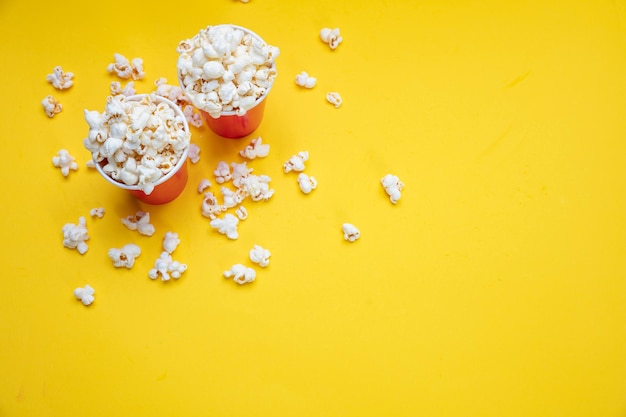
x=168 y=187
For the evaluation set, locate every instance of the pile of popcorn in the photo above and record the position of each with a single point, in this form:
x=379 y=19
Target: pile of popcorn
x=225 y=69
x=137 y=140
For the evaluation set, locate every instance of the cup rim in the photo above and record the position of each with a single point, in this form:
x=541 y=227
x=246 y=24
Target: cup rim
x=181 y=160
x=258 y=100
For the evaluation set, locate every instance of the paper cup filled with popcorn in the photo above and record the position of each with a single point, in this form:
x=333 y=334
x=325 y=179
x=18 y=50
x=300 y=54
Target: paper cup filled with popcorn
x=140 y=144
x=227 y=72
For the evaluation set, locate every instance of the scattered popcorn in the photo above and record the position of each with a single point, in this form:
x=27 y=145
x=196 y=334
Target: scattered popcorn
x=334 y=98
x=193 y=118
x=240 y=274
x=126 y=69
x=231 y=198
x=194 y=153
x=257 y=187
x=305 y=80
x=210 y=207
x=171 y=92
x=241 y=213
x=90 y=164
x=125 y=256
x=166 y=268
x=204 y=184
x=97 y=212
x=60 y=79
x=128 y=90
x=296 y=162
x=392 y=186
x=331 y=36
x=222 y=173
x=139 y=222
x=306 y=183
x=51 y=106
x=170 y=242
x=226 y=226
x=239 y=172
x=255 y=149
x=350 y=232
x=65 y=161
x=225 y=69
x=260 y=255
x=85 y=294
x=75 y=235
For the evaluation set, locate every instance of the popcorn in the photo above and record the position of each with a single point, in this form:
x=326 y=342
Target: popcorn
x=171 y=92
x=222 y=173
x=305 y=80
x=334 y=98
x=241 y=213
x=350 y=232
x=255 y=149
x=260 y=255
x=192 y=117
x=90 y=164
x=204 y=184
x=240 y=274
x=331 y=36
x=51 y=106
x=296 y=162
x=392 y=186
x=306 y=183
x=125 y=69
x=65 y=161
x=75 y=235
x=85 y=294
x=167 y=268
x=128 y=90
x=97 y=212
x=226 y=226
x=210 y=207
x=125 y=256
x=170 y=242
x=231 y=198
x=257 y=187
x=60 y=79
x=225 y=69
x=194 y=153
x=139 y=222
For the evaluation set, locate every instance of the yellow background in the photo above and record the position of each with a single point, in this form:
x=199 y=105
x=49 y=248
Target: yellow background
x=495 y=287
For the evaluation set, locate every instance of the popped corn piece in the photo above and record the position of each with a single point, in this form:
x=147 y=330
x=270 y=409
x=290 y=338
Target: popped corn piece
x=257 y=187
x=226 y=226
x=239 y=172
x=170 y=242
x=255 y=149
x=167 y=268
x=91 y=164
x=260 y=255
x=193 y=117
x=97 y=212
x=51 y=106
x=60 y=79
x=139 y=222
x=305 y=80
x=296 y=162
x=240 y=274
x=231 y=198
x=334 y=98
x=210 y=207
x=128 y=90
x=331 y=36
x=124 y=256
x=126 y=69
x=85 y=294
x=203 y=185
x=65 y=161
x=350 y=232
x=75 y=235
x=393 y=186
x=241 y=212
x=193 y=153
x=222 y=173
x=306 y=183
x=171 y=92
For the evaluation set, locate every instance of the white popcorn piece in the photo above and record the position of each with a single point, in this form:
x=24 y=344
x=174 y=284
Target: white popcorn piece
x=334 y=98
x=241 y=213
x=97 y=212
x=226 y=226
x=350 y=232
x=128 y=90
x=90 y=164
x=65 y=162
x=305 y=80
x=193 y=153
x=60 y=79
x=306 y=183
x=126 y=69
x=257 y=187
x=256 y=149
x=296 y=162
x=124 y=256
x=260 y=255
x=331 y=36
x=231 y=198
x=51 y=106
x=393 y=186
x=210 y=206
x=85 y=294
x=171 y=92
x=166 y=268
x=203 y=185
x=139 y=222
x=170 y=242
x=222 y=172
x=75 y=235
x=240 y=274
x=193 y=117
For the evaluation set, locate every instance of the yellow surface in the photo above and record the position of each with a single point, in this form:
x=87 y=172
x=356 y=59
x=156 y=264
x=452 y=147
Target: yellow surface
x=495 y=287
